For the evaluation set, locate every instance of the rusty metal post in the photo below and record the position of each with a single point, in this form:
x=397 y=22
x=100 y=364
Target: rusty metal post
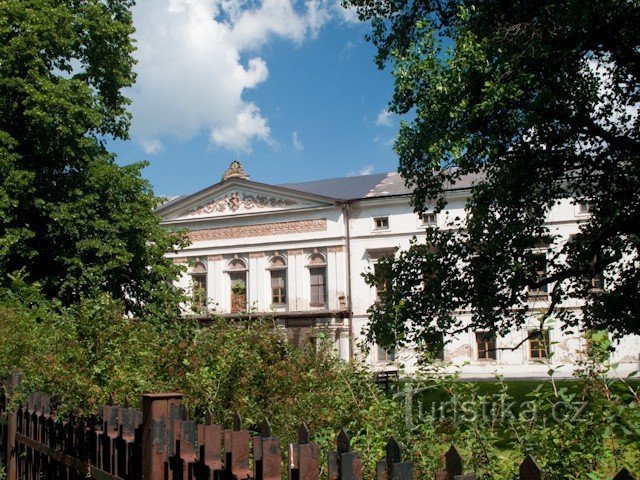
x=623 y=474
x=392 y=467
x=158 y=412
x=343 y=463
x=529 y=469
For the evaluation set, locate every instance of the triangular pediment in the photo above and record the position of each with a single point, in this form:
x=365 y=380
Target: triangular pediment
x=239 y=197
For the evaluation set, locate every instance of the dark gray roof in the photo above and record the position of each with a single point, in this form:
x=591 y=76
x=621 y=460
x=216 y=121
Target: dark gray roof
x=345 y=188
x=393 y=184
x=353 y=188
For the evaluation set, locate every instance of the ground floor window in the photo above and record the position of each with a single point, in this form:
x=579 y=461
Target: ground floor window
x=486 y=345
x=538 y=344
x=384 y=355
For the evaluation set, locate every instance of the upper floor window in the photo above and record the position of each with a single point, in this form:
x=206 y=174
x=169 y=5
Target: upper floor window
x=435 y=346
x=237 y=270
x=278 y=269
x=318 y=280
x=538 y=344
x=199 y=285
x=428 y=218
x=584 y=208
x=381 y=223
x=383 y=284
x=540 y=270
x=486 y=345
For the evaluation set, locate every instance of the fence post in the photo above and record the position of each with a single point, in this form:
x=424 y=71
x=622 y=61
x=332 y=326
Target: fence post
x=158 y=413
x=392 y=467
x=12 y=428
x=623 y=474
x=453 y=467
x=529 y=469
x=343 y=463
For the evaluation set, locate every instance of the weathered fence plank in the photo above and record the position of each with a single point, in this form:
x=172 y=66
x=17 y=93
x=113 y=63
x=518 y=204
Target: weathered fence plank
x=159 y=443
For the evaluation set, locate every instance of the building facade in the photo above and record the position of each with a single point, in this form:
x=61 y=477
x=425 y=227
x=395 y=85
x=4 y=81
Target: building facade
x=297 y=252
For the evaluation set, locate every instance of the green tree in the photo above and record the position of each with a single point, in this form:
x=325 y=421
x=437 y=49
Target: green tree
x=538 y=101
x=70 y=217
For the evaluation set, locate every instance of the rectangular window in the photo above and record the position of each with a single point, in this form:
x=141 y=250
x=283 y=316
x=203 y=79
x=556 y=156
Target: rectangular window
x=428 y=218
x=584 y=208
x=199 y=291
x=279 y=287
x=595 y=282
x=382 y=284
x=385 y=356
x=381 y=223
x=486 y=345
x=538 y=344
x=540 y=267
x=438 y=347
x=318 y=286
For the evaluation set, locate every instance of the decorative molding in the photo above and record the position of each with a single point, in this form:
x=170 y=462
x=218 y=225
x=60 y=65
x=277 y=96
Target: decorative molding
x=317 y=259
x=237 y=264
x=335 y=249
x=235 y=170
x=293 y=252
x=378 y=253
x=233 y=202
x=260 y=230
x=256 y=255
x=277 y=262
x=200 y=266
x=214 y=258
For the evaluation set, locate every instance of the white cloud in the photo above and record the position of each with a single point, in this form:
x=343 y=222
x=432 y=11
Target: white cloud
x=366 y=170
x=152 y=146
x=249 y=123
x=347 y=15
x=297 y=144
x=384 y=118
x=192 y=66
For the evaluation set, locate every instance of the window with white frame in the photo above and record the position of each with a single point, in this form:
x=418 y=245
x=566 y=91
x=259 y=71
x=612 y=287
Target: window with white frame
x=199 y=286
x=381 y=223
x=385 y=355
x=317 y=280
x=540 y=273
x=278 y=272
x=428 y=218
x=584 y=208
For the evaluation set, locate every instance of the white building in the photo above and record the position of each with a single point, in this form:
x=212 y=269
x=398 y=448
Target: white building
x=297 y=252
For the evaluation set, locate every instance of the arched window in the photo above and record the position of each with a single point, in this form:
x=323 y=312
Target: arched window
x=318 y=280
x=278 y=270
x=199 y=285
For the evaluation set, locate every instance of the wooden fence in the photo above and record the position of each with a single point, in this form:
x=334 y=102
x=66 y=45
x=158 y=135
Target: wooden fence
x=159 y=443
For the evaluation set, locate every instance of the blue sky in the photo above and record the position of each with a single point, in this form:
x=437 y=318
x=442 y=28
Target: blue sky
x=288 y=87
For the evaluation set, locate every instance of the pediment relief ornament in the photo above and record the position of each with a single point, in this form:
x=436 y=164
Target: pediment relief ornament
x=234 y=202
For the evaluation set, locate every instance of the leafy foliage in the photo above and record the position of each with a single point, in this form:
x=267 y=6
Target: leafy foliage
x=538 y=102
x=70 y=217
x=251 y=368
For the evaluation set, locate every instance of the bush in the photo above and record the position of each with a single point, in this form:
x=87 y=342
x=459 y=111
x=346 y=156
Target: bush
x=82 y=354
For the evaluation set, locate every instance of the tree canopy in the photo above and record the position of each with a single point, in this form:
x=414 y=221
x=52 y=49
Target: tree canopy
x=70 y=217
x=539 y=101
